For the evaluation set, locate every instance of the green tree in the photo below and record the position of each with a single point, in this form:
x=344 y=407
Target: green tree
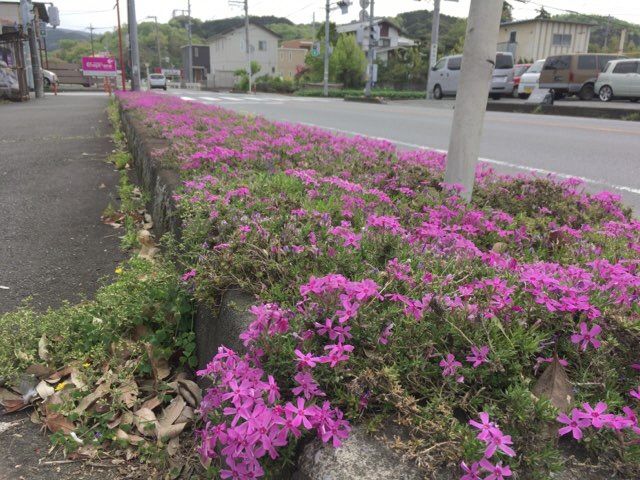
x=348 y=62
x=543 y=14
x=73 y=50
x=507 y=13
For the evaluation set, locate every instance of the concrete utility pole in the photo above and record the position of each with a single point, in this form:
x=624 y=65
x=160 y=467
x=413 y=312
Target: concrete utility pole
x=326 y=51
x=246 y=32
x=190 y=54
x=35 y=61
x=124 y=81
x=91 y=29
x=435 y=32
x=133 y=43
x=370 y=52
x=478 y=62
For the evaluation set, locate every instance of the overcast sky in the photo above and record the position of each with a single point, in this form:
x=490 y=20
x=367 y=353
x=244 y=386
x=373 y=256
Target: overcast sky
x=79 y=14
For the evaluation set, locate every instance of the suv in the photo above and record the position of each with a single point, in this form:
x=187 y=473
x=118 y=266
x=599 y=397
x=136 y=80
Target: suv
x=158 y=80
x=444 y=76
x=573 y=74
x=620 y=79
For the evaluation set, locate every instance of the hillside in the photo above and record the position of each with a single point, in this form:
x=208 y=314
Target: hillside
x=608 y=28
x=54 y=35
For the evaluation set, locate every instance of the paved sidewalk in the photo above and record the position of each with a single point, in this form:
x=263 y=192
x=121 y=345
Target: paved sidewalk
x=54 y=185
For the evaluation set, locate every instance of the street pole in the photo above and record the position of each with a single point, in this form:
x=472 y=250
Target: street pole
x=135 y=52
x=246 y=28
x=35 y=61
x=326 y=51
x=190 y=54
x=124 y=81
x=478 y=58
x=367 y=89
x=433 y=53
x=91 y=29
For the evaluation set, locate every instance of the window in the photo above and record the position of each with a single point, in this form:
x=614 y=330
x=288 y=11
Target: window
x=603 y=59
x=587 y=62
x=561 y=39
x=625 y=67
x=454 y=63
x=512 y=37
x=262 y=45
x=504 y=60
x=561 y=62
x=440 y=65
x=195 y=52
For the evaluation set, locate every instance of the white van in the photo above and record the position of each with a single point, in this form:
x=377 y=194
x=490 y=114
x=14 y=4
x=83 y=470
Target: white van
x=444 y=76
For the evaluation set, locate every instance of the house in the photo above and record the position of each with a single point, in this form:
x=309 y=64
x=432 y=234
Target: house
x=16 y=74
x=201 y=62
x=291 y=56
x=391 y=37
x=539 y=38
x=227 y=51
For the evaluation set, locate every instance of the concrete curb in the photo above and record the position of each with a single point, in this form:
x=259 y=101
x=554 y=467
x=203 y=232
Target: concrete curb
x=379 y=100
x=563 y=110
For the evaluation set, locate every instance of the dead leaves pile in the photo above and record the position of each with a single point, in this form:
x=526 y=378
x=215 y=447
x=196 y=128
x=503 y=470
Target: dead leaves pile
x=144 y=411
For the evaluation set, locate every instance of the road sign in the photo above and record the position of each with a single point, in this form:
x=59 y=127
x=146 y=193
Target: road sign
x=364 y=16
x=99 y=66
x=364 y=3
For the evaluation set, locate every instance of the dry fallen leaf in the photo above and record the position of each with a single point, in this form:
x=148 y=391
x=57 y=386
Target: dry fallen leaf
x=190 y=391
x=56 y=422
x=43 y=350
x=170 y=414
x=128 y=437
x=159 y=366
x=86 y=402
x=148 y=249
x=8 y=395
x=39 y=371
x=554 y=385
x=172 y=431
x=129 y=393
x=11 y=406
x=146 y=422
x=45 y=390
x=76 y=378
x=173 y=446
x=59 y=375
x=187 y=415
x=152 y=403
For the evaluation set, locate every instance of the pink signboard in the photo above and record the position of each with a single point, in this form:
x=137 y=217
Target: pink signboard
x=99 y=66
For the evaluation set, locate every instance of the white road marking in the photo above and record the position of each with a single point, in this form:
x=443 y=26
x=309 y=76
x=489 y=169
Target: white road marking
x=210 y=99
x=543 y=171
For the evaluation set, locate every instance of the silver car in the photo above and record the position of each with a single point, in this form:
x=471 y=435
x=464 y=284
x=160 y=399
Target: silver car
x=619 y=79
x=158 y=80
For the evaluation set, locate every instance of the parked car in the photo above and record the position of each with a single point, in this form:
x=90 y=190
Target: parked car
x=444 y=76
x=619 y=79
x=518 y=70
x=529 y=79
x=49 y=78
x=158 y=80
x=574 y=74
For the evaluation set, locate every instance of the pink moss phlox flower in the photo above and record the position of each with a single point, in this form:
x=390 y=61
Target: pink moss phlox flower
x=386 y=333
x=596 y=416
x=587 y=336
x=574 y=424
x=306 y=386
x=478 y=355
x=305 y=360
x=302 y=414
x=498 y=441
x=273 y=393
x=497 y=471
x=336 y=354
x=449 y=365
x=190 y=274
x=635 y=393
x=335 y=430
x=471 y=472
x=486 y=427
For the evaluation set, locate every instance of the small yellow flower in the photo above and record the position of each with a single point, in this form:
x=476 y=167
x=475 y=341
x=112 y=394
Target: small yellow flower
x=85 y=365
x=118 y=270
x=60 y=386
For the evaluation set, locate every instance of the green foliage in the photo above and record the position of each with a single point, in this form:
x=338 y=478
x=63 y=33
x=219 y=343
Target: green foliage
x=376 y=92
x=348 y=62
x=270 y=84
x=292 y=32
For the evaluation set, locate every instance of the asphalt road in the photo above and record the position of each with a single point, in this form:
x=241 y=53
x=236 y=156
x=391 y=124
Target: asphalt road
x=604 y=153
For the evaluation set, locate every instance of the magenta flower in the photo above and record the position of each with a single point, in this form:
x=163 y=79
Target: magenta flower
x=496 y=472
x=574 y=424
x=587 y=336
x=301 y=413
x=305 y=359
x=498 y=441
x=449 y=365
x=487 y=428
x=596 y=416
x=472 y=472
x=478 y=356
x=635 y=393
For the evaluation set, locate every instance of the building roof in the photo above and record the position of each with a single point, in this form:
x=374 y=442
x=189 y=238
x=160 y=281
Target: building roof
x=549 y=20
x=297 y=43
x=353 y=26
x=227 y=32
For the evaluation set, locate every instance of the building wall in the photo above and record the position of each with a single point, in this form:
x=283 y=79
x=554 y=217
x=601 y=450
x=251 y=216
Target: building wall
x=535 y=39
x=228 y=53
x=288 y=61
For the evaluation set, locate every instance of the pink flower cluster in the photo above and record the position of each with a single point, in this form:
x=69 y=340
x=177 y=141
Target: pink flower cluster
x=495 y=440
x=254 y=421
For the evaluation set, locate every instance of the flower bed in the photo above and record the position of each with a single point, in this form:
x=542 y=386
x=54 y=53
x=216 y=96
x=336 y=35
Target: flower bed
x=382 y=297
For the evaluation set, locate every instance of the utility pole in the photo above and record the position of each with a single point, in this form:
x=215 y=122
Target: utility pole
x=245 y=5
x=326 y=51
x=190 y=52
x=155 y=18
x=133 y=43
x=124 y=81
x=435 y=32
x=91 y=29
x=370 y=52
x=478 y=59
x=28 y=26
x=606 y=34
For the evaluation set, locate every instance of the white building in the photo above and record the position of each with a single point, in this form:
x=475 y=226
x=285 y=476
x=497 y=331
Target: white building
x=227 y=51
x=391 y=37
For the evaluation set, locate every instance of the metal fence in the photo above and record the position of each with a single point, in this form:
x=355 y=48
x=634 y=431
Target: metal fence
x=13 y=74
